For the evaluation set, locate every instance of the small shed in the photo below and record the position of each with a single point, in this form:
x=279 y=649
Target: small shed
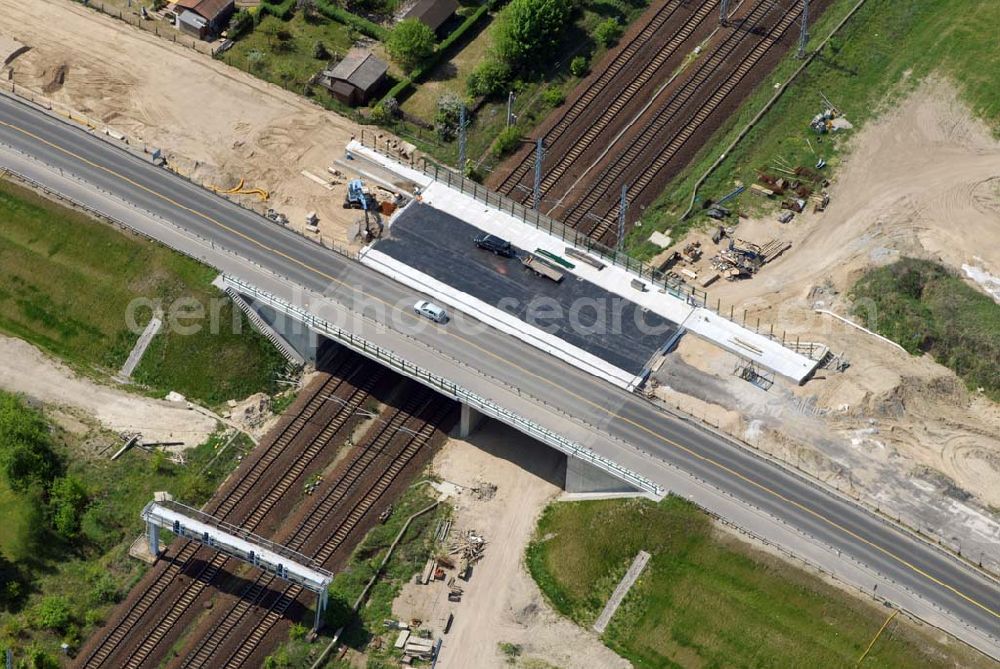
x=203 y=18
x=432 y=13
x=355 y=79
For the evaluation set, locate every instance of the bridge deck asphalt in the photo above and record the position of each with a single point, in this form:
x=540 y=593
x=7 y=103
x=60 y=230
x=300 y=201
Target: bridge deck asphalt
x=577 y=311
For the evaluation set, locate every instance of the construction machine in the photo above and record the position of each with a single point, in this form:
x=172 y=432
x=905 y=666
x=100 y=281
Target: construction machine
x=359 y=197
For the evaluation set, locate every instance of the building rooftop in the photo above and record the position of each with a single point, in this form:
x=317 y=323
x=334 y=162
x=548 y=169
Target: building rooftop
x=359 y=68
x=207 y=9
x=432 y=13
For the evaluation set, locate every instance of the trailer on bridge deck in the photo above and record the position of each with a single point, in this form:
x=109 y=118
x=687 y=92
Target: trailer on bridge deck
x=540 y=267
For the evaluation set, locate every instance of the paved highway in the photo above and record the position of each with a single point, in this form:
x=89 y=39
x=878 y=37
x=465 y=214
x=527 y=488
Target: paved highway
x=959 y=591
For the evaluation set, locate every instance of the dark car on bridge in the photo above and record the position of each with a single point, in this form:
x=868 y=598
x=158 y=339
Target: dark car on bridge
x=494 y=244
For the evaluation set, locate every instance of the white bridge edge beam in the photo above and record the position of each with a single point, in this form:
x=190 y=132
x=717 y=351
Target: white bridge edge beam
x=450 y=389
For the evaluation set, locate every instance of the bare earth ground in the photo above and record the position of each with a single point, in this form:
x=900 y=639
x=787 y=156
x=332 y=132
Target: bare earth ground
x=501 y=603
x=215 y=123
x=901 y=432
x=29 y=371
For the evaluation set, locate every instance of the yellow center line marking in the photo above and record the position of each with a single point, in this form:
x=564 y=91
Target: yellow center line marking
x=832 y=523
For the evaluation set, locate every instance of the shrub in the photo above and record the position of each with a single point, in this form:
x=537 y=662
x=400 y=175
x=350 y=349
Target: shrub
x=578 y=66
x=332 y=11
x=52 y=613
x=488 y=79
x=385 y=111
x=11 y=587
x=320 y=52
x=26 y=455
x=280 y=10
x=36 y=658
x=608 y=32
x=447 y=117
x=241 y=24
x=410 y=44
x=554 y=96
x=67 y=500
x=507 y=141
x=526 y=29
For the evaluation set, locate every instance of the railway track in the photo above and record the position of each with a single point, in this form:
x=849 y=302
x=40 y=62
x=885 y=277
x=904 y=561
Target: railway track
x=612 y=175
x=621 y=60
x=225 y=508
x=205 y=655
x=633 y=88
x=603 y=227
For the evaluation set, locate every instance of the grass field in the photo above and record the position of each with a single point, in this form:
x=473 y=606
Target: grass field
x=926 y=308
x=883 y=53
x=66 y=282
x=707 y=600
x=289 y=63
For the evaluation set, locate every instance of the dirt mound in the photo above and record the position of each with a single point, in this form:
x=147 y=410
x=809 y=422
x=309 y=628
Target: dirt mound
x=914 y=392
x=57 y=79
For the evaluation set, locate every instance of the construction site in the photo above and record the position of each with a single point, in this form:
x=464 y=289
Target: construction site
x=772 y=358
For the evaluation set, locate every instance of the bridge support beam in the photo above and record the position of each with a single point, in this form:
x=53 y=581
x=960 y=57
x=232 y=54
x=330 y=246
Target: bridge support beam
x=321 y=602
x=153 y=539
x=583 y=477
x=468 y=421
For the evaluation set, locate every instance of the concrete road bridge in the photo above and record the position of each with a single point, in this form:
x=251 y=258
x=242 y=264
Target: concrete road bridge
x=610 y=435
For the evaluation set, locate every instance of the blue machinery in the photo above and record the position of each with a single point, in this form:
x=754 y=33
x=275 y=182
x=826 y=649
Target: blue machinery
x=283 y=562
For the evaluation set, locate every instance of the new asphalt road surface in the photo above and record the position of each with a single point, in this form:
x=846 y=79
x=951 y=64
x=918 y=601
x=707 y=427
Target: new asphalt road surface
x=957 y=590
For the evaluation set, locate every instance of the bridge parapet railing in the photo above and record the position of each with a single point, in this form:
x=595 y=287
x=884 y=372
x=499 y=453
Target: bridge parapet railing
x=485 y=406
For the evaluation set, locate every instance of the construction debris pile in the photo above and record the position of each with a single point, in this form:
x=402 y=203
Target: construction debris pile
x=744 y=259
x=805 y=186
x=484 y=491
x=470 y=547
x=416 y=642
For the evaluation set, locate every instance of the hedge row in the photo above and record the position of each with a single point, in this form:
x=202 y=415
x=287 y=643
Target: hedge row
x=281 y=10
x=331 y=11
x=442 y=48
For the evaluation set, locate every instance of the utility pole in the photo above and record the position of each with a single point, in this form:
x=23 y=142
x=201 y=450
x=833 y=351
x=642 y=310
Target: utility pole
x=622 y=207
x=804 y=30
x=510 y=109
x=537 y=195
x=461 y=139
x=724 y=12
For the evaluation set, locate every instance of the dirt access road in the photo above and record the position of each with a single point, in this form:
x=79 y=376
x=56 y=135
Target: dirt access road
x=216 y=124
x=29 y=371
x=501 y=604
x=901 y=431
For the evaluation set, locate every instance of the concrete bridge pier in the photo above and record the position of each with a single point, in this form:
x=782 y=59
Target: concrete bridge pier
x=468 y=421
x=583 y=477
